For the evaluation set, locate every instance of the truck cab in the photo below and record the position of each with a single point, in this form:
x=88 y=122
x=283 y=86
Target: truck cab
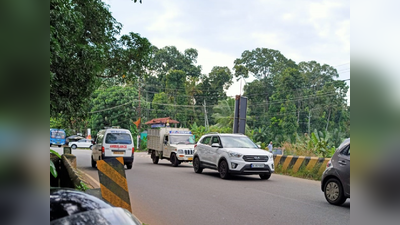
x=173 y=144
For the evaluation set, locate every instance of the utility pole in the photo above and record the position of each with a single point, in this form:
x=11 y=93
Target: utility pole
x=309 y=121
x=139 y=107
x=205 y=115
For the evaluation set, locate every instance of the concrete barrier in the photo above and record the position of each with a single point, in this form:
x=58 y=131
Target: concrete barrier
x=76 y=179
x=300 y=166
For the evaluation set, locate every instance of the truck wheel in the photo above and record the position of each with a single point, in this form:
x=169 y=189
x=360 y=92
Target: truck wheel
x=93 y=163
x=129 y=166
x=174 y=160
x=154 y=158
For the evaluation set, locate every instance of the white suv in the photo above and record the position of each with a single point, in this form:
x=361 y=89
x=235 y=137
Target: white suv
x=232 y=154
x=111 y=143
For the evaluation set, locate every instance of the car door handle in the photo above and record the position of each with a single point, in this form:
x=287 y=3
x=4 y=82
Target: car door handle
x=342 y=162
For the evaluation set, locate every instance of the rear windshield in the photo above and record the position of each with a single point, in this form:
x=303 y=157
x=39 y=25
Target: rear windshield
x=118 y=138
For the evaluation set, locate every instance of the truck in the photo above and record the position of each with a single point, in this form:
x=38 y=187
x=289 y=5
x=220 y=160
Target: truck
x=173 y=144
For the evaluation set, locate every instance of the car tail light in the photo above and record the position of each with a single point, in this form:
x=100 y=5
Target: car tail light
x=329 y=164
x=133 y=150
x=195 y=145
x=102 y=149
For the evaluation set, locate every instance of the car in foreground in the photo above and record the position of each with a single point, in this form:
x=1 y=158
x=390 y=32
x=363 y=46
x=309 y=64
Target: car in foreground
x=232 y=154
x=82 y=143
x=335 y=181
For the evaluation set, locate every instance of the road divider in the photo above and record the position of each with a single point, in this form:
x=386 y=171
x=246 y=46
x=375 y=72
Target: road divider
x=300 y=166
x=113 y=184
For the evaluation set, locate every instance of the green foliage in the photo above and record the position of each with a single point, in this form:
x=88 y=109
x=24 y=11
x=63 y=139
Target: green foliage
x=53 y=169
x=82 y=187
x=114 y=106
x=84 y=52
x=143 y=144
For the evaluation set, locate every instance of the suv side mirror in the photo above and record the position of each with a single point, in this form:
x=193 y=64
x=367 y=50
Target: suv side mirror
x=215 y=145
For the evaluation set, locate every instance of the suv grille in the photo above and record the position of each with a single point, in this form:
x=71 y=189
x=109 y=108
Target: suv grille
x=188 y=152
x=255 y=158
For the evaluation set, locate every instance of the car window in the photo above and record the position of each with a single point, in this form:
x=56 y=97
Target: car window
x=345 y=150
x=118 y=138
x=215 y=140
x=206 y=140
x=82 y=140
x=237 y=142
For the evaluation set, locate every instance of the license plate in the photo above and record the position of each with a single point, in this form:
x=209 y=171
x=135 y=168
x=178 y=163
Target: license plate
x=190 y=158
x=119 y=153
x=257 y=165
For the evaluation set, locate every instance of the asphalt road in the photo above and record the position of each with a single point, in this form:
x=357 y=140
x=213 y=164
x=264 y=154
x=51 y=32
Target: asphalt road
x=162 y=194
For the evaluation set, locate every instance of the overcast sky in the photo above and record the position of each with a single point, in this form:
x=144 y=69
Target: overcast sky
x=220 y=30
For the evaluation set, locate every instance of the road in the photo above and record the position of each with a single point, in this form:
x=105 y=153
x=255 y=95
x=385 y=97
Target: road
x=162 y=194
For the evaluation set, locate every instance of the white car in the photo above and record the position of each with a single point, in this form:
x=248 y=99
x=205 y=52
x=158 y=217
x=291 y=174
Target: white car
x=83 y=143
x=232 y=154
x=111 y=143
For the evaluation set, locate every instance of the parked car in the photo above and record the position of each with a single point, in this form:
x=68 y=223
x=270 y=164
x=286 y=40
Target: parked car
x=82 y=143
x=232 y=154
x=335 y=181
x=70 y=206
x=111 y=143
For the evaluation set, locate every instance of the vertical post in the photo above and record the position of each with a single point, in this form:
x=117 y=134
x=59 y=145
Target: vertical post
x=139 y=109
x=242 y=114
x=205 y=115
x=236 y=115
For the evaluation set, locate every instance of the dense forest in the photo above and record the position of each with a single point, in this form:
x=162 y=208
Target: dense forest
x=97 y=80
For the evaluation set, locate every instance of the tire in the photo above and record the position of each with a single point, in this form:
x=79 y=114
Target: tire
x=174 y=160
x=93 y=163
x=223 y=169
x=73 y=146
x=59 y=146
x=333 y=192
x=196 y=165
x=129 y=166
x=265 y=176
x=154 y=158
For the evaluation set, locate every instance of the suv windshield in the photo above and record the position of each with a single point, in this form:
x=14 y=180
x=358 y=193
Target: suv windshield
x=237 y=142
x=118 y=138
x=182 y=139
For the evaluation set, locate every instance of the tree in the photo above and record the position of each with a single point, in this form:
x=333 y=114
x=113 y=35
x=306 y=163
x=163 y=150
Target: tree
x=84 y=51
x=114 y=106
x=213 y=87
x=224 y=113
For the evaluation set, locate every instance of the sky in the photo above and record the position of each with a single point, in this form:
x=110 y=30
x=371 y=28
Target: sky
x=302 y=30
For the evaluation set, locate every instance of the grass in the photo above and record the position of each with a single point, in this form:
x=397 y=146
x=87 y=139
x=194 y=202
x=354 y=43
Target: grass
x=301 y=173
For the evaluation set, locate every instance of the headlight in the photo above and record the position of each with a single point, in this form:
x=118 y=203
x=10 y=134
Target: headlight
x=235 y=154
x=180 y=151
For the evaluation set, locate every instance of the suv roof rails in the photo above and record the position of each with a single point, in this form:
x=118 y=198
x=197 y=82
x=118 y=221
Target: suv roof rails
x=212 y=133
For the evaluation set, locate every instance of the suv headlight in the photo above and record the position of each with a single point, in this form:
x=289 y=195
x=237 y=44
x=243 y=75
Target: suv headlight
x=180 y=151
x=235 y=154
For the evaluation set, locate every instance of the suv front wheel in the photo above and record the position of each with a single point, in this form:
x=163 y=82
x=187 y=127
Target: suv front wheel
x=223 y=169
x=265 y=176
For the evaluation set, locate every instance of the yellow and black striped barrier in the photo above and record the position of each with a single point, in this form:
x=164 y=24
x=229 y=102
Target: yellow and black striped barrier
x=300 y=165
x=113 y=184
